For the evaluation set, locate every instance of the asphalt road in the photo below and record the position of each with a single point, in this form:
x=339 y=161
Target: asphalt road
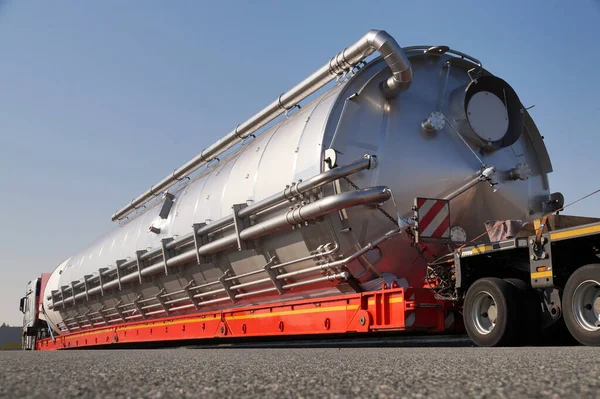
x=304 y=373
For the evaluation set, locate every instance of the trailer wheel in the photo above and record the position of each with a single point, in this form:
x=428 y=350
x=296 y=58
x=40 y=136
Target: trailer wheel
x=581 y=305
x=530 y=317
x=490 y=312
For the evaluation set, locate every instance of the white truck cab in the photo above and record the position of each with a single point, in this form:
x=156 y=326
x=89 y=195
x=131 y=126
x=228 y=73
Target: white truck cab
x=29 y=306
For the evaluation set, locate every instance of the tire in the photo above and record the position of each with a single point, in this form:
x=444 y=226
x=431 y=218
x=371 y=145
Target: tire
x=581 y=305
x=497 y=296
x=530 y=314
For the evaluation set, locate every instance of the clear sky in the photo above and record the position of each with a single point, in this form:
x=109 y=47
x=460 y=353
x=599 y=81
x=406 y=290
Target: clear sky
x=98 y=100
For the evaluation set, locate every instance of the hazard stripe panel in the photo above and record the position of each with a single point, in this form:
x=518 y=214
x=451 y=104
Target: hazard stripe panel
x=433 y=218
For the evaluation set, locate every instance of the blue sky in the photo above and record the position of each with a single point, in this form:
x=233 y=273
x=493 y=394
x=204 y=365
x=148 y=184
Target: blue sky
x=98 y=100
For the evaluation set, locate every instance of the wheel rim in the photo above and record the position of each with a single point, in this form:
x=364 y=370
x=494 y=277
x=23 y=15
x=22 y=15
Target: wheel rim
x=484 y=313
x=586 y=305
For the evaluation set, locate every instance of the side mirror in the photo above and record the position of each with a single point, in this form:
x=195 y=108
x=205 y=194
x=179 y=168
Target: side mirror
x=22 y=305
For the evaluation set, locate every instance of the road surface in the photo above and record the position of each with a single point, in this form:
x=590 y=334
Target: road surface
x=565 y=372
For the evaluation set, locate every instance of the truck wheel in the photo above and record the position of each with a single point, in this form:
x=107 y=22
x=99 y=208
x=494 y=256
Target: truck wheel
x=530 y=316
x=490 y=312
x=581 y=305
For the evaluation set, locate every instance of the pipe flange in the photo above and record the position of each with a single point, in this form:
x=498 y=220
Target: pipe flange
x=521 y=172
x=434 y=122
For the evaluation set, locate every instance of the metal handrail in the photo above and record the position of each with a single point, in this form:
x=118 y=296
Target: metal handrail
x=295 y=216
x=374 y=40
x=368 y=162
x=343 y=275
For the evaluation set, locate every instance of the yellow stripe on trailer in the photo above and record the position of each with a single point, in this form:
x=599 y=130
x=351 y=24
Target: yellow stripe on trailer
x=541 y=274
x=480 y=250
x=477 y=250
x=561 y=235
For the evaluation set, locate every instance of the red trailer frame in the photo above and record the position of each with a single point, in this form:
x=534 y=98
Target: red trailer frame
x=389 y=309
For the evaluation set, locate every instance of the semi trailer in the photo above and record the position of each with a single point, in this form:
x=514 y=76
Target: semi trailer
x=353 y=204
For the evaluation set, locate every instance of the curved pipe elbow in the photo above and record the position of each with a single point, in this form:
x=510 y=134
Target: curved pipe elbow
x=396 y=60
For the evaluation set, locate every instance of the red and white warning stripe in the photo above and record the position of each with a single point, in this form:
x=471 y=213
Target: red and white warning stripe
x=434 y=217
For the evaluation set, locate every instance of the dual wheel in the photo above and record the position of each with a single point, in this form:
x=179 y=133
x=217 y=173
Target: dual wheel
x=507 y=312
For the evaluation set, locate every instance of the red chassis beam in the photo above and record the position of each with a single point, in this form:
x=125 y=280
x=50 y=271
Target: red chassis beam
x=389 y=309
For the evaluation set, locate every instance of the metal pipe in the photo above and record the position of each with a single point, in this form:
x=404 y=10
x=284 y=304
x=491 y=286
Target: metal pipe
x=156 y=305
x=296 y=216
x=245 y=294
x=180 y=241
x=324 y=267
x=197 y=287
x=191 y=305
x=460 y=136
x=310 y=184
x=342 y=275
x=335 y=248
x=145 y=256
x=345 y=261
x=209 y=293
x=251 y=283
x=367 y=162
x=374 y=40
x=293 y=217
x=155 y=312
x=316 y=209
x=483 y=176
x=333 y=277
x=238 y=276
x=172 y=301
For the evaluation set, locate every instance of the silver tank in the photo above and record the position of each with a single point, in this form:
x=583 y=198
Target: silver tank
x=435 y=138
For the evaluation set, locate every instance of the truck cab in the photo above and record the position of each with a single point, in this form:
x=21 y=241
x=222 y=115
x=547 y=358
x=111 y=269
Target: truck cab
x=28 y=305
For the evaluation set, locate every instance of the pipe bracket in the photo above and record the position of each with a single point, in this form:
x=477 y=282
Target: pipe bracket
x=100 y=272
x=199 y=241
x=227 y=285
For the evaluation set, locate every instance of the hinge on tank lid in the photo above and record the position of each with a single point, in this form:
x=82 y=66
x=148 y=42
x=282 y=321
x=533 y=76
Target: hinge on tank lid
x=199 y=241
x=119 y=263
x=241 y=224
x=190 y=294
x=100 y=272
x=136 y=303
x=226 y=285
x=85 y=286
x=167 y=205
x=161 y=300
x=139 y=263
x=165 y=252
x=272 y=274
